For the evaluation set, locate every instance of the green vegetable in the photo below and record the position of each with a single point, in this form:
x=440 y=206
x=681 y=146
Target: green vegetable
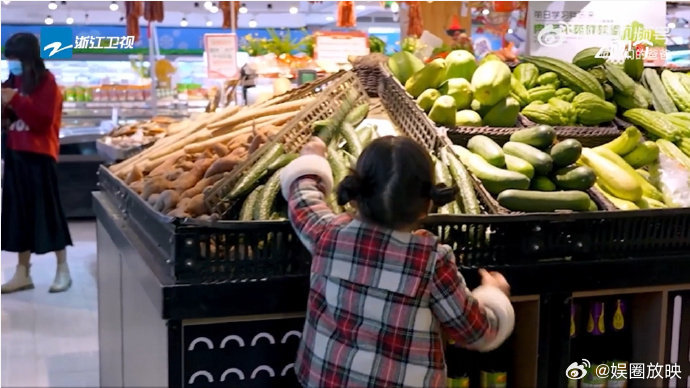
x=577 y=79
x=502 y=114
x=548 y=78
x=592 y=110
x=353 y=143
x=518 y=91
x=542 y=113
x=357 y=114
x=626 y=142
x=644 y=153
x=540 y=136
x=468 y=118
x=268 y=196
x=246 y=213
x=542 y=183
x=565 y=94
x=487 y=149
x=620 y=81
x=575 y=178
x=516 y=164
x=493 y=178
x=541 y=161
x=566 y=152
x=250 y=178
x=460 y=64
x=539 y=201
x=282 y=161
x=403 y=64
x=587 y=58
x=468 y=197
x=491 y=82
x=611 y=177
x=660 y=99
x=443 y=111
x=541 y=93
x=527 y=74
x=431 y=76
x=427 y=98
x=461 y=91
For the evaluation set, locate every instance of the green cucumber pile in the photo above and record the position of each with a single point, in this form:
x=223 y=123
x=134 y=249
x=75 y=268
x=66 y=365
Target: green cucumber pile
x=531 y=172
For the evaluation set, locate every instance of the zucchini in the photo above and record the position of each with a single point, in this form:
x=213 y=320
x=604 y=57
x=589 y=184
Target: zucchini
x=513 y=163
x=268 y=196
x=282 y=161
x=650 y=203
x=611 y=177
x=566 y=152
x=541 y=161
x=247 y=211
x=644 y=154
x=350 y=136
x=647 y=188
x=542 y=183
x=625 y=143
x=357 y=114
x=251 y=178
x=487 y=149
x=468 y=197
x=575 y=178
x=542 y=201
x=619 y=203
x=540 y=136
x=493 y=178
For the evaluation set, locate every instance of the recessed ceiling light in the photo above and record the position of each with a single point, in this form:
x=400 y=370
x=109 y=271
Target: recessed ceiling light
x=209 y=23
x=184 y=22
x=395 y=8
x=329 y=18
x=213 y=9
x=6 y=2
x=252 y=23
x=486 y=11
x=52 y=6
x=672 y=25
x=114 y=7
x=243 y=8
x=510 y=30
x=69 y=20
x=48 y=20
x=361 y=7
x=208 y=5
x=294 y=10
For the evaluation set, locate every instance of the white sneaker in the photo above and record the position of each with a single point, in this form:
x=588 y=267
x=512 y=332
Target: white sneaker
x=63 y=280
x=20 y=281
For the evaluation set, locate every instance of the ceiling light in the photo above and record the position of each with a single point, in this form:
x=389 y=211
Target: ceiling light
x=209 y=23
x=48 y=20
x=672 y=25
x=114 y=7
x=213 y=9
x=252 y=23
x=294 y=10
x=69 y=20
x=6 y=2
x=184 y=22
x=208 y=5
x=329 y=18
x=243 y=8
x=486 y=11
x=52 y=6
x=510 y=30
x=361 y=7
x=395 y=7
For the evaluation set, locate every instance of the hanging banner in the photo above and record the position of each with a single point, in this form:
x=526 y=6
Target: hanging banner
x=336 y=46
x=560 y=29
x=221 y=55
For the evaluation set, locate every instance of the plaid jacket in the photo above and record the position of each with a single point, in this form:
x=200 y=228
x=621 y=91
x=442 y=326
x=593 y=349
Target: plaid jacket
x=379 y=300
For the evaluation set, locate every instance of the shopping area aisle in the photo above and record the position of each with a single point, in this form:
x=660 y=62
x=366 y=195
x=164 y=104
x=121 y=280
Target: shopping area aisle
x=52 y=339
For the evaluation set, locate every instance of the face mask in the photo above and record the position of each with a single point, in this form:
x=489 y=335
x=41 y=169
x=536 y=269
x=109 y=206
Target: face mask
x=15 y=66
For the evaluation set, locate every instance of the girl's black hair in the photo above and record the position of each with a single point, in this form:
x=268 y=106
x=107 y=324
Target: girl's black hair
x=24 y=47
x=393 y=182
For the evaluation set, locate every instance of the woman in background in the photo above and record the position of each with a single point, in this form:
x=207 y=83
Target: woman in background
x=33 y=220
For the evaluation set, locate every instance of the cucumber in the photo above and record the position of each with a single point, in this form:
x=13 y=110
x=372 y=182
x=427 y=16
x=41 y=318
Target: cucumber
x=282 y=161
x=540 y=136
x=247 y=211
x=323 y=129
x=487 y=149
x=337 y=166
x=357 y=114
x=541 y=161
x=268 y=196
x=468 y=197
x=257 y=204
x=542 y=183
x=643 y=154
x=575 y=178
x=566 y=152
x=251 y=178
x=350 y=136
x=493 y=178
x=541 y=201
x=513 y=163
x=593 y=206
x=442 y=173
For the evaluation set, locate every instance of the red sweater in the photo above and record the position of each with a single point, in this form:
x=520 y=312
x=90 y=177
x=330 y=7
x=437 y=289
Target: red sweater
x=37 y=128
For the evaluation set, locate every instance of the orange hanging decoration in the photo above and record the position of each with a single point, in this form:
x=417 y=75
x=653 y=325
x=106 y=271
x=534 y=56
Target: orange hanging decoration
x=346 y=14
x=415 y=26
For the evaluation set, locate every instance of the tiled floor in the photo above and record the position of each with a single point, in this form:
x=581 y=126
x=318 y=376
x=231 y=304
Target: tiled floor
x=51 y=340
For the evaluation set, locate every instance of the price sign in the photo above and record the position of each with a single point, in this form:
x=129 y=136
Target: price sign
x=336 y=46
x=221 y=55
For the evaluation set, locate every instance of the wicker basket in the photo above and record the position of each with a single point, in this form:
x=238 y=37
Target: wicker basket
x=297 y=132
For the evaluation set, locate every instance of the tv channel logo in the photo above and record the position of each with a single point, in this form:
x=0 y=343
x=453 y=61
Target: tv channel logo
x=56 y=42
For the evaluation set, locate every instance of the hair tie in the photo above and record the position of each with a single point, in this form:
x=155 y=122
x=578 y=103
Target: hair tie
x=441 y=194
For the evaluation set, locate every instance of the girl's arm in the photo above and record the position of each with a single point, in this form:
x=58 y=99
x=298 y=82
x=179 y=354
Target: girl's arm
x=304 y=184
x=38 y=108
x=481 y=319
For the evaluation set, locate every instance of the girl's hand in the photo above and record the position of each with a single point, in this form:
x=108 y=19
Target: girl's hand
x=494 y=279
x=7 y=95
x=315 y=146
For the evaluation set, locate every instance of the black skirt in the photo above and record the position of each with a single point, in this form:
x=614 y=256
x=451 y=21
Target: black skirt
x=32 y=215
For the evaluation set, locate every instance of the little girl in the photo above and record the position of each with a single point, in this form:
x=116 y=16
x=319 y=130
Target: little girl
x=383 y=295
